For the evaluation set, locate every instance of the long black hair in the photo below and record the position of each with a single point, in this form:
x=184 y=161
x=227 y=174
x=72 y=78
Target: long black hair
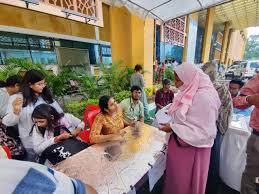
x=11 y=81
x=45 y=111
x=103 y=103
x=32 y=77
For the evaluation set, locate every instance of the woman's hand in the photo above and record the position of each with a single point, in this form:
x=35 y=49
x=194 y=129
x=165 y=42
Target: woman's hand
x=117 y=137
x=17 y=105
x=63 y=136
x=76 y=132
x=166 y=127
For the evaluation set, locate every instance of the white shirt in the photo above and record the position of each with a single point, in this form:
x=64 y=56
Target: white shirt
x=40 y=143
x=4 y=98
x=14 y=171
x=24 y=119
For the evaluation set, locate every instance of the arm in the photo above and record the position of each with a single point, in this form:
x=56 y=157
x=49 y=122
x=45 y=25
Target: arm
x=76 y=124
x=95 y=135
x=253 y=100
x=123 y=108
x=142 y=81
x=225 y=110
x=251 y=89
x=40 y=143
x=13 y=111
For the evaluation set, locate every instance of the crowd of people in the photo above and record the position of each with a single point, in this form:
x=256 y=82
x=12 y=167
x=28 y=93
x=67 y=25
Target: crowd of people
x=34 y=128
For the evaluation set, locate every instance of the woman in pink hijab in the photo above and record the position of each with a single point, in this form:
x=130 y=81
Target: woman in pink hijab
x=194 y=113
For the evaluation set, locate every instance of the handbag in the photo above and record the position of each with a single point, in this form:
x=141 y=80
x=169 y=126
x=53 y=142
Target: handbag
x=62 y=150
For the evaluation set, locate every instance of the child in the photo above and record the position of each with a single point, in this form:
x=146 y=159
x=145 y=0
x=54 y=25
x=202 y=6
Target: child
x=51 y=127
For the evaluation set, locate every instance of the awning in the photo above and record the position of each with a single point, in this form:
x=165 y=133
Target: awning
x=166 y=9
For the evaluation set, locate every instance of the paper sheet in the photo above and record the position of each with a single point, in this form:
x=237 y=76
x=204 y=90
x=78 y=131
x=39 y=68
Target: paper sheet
x=162 y=117
x=157 y=171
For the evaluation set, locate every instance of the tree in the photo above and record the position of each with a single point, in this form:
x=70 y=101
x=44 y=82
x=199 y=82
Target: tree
x=252 y=48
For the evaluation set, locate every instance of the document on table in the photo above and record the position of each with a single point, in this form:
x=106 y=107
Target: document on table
x=162 y=117
x=157 y=171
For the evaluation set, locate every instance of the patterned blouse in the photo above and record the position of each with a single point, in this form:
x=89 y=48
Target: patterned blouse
x=105 y=124
x=225 y=110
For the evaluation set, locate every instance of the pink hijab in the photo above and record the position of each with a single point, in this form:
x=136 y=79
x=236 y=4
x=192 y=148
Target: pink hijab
x=196 y=84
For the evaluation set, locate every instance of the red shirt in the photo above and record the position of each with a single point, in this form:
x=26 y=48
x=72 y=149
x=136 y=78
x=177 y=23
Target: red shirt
x=164 y=98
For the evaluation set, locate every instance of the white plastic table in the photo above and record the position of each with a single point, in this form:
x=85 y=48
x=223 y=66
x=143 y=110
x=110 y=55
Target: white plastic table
x=120 y=176
x=233 y=152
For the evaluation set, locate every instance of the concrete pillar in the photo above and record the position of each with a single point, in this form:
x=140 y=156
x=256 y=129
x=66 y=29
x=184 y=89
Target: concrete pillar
x=191 y=36
x=227 y=55
x=185 y=48
x=132 y=40
x=224 y=42
x=149 y=50
x=208 y=33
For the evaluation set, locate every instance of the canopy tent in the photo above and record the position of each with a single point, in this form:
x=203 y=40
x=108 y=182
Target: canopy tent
x=166 y=9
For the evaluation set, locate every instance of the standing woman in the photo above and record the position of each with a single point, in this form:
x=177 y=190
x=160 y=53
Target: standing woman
x=194 y=113
x=33 y=92
x=137 y=79
x=223 y=121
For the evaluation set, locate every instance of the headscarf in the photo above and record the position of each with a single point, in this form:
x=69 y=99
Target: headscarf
x=225 y=110
x=199 y=133
x=193 y=79
x=210 y=68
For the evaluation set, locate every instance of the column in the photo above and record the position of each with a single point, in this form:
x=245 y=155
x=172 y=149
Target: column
x=132 y=40
x=224 y=42
x=208 y=33
x=190 y=41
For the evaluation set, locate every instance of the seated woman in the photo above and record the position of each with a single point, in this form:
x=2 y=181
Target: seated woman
x=51 y=127
x=108 y=123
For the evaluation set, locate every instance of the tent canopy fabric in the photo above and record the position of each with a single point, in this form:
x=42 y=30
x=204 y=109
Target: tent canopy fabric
x=166 y=9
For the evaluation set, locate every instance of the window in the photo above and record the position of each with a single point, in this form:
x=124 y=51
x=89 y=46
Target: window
x=36 y=48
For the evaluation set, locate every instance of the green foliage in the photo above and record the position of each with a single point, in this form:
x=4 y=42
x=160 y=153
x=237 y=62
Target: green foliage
x=116 y=78
x=77 y=107
x=89 y=85
x=8 y=70
x=252 y=48
x=169 y=74
x=119 y=96
x=18 y=66
x=59 y=84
